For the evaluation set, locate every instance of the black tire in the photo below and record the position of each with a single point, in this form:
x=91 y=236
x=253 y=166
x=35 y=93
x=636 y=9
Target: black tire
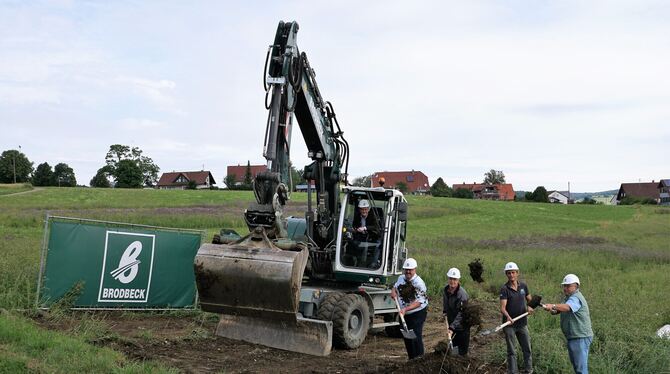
x=392 y=331
x=351 y=322
x=326 y=311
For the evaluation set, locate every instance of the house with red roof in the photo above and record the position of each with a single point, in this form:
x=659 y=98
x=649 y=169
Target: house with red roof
x=500 y=191
x=239 y=171
x=642 y=190
x=179 y=180
x=416 y=181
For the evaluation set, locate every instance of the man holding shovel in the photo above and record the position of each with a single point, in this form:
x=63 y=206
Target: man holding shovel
x=454 y=300
x=410 y=293
x=575 y=323
x=513 y=298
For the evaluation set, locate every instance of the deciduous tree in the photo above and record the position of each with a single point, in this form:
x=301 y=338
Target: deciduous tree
x=100 y=179
x=439 y=188
x=64 y=176
x=364 y=181
x=296 y=176
x=540 y=195
x=402 y=187
x=229 y=181
x=14 y=164
x=128 y=174
x=494 y=177
x=120 y=152
x=43 y=175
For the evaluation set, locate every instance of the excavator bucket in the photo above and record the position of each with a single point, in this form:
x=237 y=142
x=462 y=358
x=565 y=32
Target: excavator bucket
x=255 y=285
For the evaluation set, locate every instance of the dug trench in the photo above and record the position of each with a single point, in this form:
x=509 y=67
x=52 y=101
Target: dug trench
x=186 y=341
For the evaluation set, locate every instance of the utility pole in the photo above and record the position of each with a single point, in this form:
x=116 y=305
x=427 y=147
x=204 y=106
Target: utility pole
x=14 y=164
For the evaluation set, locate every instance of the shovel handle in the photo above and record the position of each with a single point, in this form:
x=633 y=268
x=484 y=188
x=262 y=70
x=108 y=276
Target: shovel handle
x=400 y=314
x=511 y=322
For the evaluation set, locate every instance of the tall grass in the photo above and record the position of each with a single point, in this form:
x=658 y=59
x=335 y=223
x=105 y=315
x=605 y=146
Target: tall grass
x=25 y=348
x=621 y=254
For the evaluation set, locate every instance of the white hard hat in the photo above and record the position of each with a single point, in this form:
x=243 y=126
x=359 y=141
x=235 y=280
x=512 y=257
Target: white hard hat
x=570 y=279
x=410 y=263
x=511 y=266
x=454 y=273
x=363 y=204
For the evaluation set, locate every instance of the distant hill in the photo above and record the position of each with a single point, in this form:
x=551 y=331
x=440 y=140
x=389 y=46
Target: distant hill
x=581 y=195
x=576 y=195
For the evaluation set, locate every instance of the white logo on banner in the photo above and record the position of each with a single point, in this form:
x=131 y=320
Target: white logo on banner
x=128 y=263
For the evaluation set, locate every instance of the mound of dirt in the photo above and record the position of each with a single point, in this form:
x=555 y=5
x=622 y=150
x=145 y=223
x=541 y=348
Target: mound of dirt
x=441 y=362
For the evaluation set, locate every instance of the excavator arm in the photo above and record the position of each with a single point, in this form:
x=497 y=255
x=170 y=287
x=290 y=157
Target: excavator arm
x=291 y=85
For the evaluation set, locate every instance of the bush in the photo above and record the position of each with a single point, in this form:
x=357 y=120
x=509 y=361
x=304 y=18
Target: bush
x=631 y=200
x=464 y=193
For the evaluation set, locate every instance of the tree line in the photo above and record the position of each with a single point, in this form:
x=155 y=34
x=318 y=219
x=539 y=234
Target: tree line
x=15 y=167
x=125 y=167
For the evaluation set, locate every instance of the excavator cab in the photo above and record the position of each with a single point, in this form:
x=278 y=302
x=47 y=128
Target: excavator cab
x=379 y=249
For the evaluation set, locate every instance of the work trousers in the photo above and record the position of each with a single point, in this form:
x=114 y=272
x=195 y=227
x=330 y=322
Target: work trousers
x=578 y=349
x=462 y=341
x=521 y=334
x=415 y=322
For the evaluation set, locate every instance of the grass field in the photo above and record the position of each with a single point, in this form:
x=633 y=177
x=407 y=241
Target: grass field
x=6 y=189
x=621 y=254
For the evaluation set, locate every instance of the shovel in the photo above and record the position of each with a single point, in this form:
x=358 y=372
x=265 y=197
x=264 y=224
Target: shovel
x=451 y=343
x=534 y=303
x=406 y=333
x=489 y=332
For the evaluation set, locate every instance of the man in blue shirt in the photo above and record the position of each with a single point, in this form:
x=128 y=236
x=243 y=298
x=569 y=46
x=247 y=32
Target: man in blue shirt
x=575 y=323
x=410 y=290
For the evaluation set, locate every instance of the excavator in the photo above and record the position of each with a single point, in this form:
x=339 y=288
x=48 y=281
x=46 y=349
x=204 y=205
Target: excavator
x=304 y=284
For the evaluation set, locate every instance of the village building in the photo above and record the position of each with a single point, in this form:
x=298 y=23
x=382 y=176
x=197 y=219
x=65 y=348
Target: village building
x=416 y=181
x=179 y=180
x=641 y=190
x=239 y=171
x=500 y=191
x=560 y=197
x=664 y=191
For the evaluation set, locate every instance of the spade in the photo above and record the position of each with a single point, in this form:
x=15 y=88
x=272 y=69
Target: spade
x=406 y=333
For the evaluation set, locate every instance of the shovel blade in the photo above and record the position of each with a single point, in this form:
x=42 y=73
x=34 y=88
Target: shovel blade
x=408 y=334
x=486 y=332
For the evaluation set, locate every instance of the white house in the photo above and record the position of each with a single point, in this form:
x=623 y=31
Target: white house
x=561 y=197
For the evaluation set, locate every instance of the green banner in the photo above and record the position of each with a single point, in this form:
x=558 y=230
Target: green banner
x=118 y=265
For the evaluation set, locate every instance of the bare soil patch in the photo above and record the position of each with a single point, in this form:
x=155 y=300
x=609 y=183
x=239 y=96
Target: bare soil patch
x=188 y=343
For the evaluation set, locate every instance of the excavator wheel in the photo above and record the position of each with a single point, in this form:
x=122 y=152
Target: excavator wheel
x=327 y=307
x=351 y=321
x=392 y=331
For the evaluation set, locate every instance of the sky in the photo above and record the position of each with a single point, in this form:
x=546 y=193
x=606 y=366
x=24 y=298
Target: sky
x=549 y=92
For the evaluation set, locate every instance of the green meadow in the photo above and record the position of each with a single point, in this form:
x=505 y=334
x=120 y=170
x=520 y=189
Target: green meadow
x=621 y=254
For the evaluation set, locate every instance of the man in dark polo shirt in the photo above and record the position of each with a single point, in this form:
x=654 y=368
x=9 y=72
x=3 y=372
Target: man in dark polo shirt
x=513 y=298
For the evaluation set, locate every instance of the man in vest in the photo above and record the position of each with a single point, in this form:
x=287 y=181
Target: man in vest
x=575 y=323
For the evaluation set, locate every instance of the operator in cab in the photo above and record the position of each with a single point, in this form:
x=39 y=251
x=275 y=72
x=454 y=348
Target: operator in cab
x=366 y=230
